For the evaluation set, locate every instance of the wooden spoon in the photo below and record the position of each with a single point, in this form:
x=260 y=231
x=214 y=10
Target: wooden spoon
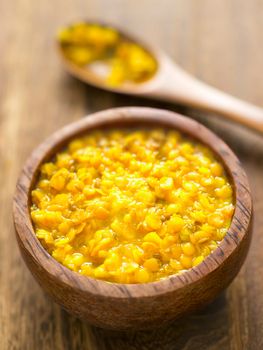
x=173 y=84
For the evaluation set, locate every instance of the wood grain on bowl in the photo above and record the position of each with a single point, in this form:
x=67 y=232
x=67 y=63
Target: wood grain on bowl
x=140 y=306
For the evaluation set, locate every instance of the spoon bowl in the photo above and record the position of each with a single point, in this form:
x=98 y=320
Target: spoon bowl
x=135 y=306
x=89 y=75
x=171 y=83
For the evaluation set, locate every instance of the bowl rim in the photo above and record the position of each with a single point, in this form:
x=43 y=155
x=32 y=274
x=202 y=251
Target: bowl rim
x=237 y=231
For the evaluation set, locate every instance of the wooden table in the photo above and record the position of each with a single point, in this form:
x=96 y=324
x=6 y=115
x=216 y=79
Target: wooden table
x=220 y=42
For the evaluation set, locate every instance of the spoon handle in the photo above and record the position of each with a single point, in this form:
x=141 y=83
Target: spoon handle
x=176 y=85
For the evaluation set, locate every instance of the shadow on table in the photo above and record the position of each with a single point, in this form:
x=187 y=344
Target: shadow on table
x=199 y=331
x=206 y=329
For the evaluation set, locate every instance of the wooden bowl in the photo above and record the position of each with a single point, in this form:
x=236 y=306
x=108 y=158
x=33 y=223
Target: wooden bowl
x=135 y=306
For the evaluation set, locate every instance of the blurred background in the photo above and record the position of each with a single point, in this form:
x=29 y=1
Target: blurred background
x=217 y=41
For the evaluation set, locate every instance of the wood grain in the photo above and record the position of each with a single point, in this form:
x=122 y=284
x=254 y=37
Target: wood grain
x=130 y=307
x=217 y=41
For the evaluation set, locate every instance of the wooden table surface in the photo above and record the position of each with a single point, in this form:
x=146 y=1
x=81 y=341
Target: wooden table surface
x=219 y=41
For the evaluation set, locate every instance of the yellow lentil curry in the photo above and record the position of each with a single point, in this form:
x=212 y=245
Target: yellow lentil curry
x=84 y=44
x=132 y=206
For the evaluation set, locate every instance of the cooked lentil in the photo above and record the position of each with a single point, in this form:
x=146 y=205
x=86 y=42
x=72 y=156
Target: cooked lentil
x=132 y=206
x=84 y=43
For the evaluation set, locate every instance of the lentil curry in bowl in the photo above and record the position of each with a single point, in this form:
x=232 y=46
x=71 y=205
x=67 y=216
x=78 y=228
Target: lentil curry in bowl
x=133 y=196
x=132 y=205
